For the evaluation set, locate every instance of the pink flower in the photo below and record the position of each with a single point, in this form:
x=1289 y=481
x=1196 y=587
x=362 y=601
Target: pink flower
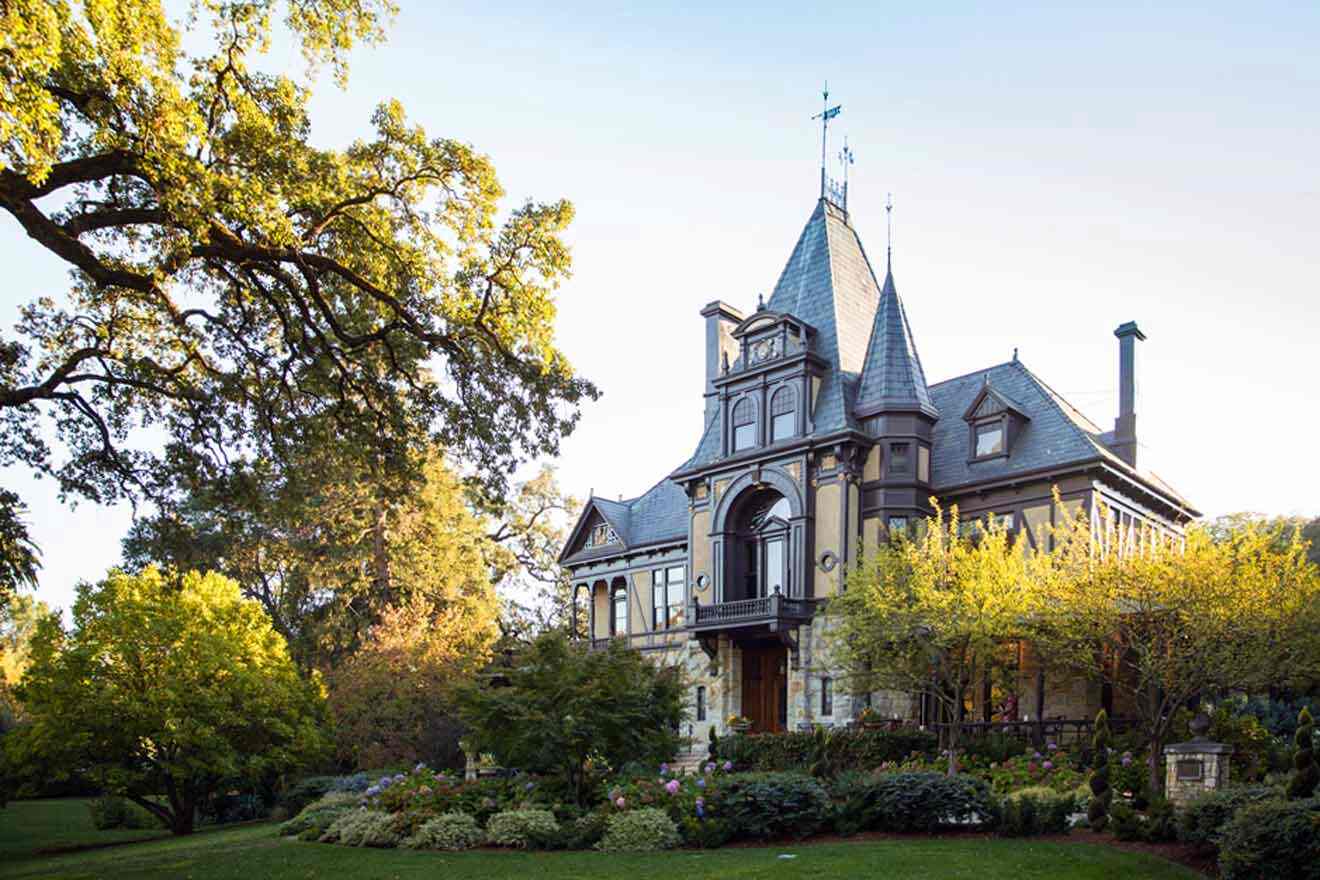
x=672 y=786
x=1048 y=765
x=620 y=803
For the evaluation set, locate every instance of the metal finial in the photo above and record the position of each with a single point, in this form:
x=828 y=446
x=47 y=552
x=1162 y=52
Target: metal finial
x=825 y=115
x=889 y=230
x=1015 y=354
x=760 y=302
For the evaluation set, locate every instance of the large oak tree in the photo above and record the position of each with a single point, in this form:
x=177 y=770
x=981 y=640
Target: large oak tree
x=244 y=291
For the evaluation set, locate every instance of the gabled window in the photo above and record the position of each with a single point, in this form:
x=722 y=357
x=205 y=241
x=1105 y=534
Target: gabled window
x=744 y=424
x=667 y=597
x=993 y=421
x=783 y=414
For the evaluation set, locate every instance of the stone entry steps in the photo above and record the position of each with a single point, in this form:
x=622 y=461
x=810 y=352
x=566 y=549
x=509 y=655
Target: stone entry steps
x=690 y=762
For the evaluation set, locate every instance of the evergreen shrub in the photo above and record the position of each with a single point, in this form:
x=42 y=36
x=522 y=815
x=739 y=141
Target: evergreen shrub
x=517 y=827
x=1275 y=838
x=448 y=831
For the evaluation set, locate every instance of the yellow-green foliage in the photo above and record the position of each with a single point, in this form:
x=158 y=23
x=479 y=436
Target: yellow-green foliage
x=363 y=828
x=643 y=830
x=516 y=827
x=165 y=685
x=448 y=831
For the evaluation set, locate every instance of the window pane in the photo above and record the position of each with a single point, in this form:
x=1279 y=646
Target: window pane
x=677 y=597
x=744 y=437
x=989 y=439
x=658 y=613
x=900 y=461
x=923 y=464
x=620 y=612
x=827 y=696
x=783 y=426
x=701 y=703
x=898 y=525
x=774 y=567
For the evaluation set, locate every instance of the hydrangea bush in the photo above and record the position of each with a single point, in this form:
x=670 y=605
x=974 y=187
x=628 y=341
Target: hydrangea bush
x=363 y=828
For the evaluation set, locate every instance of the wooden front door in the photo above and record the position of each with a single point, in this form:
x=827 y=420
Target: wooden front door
x=765 y=687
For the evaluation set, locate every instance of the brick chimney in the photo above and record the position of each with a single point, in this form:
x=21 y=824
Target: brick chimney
x=1125 y=426
x=721 y=318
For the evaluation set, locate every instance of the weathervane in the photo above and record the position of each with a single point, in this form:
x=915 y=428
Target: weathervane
x=889 y=230
x=825 y=115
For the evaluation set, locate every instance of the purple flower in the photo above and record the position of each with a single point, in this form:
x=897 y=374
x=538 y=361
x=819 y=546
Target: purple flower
x=672 y=786
x=1048 y=765
x=529 y=786
x=1053 y=747
x=710 y=766
x=664 y=768
x=728 y=765
x=1036 y=755
x=701 y=808
x=701 y=782
x=419 y=768
x=1127 y=760
x=619 y=802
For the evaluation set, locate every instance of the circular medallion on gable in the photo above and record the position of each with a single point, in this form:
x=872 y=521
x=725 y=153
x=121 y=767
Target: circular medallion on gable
x=828 y=560
x=703 y=582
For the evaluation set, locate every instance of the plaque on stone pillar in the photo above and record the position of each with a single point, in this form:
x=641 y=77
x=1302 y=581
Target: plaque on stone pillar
x=1196 y=766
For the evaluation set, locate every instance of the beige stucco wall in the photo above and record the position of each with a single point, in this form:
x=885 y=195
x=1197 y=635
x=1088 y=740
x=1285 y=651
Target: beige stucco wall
x=699 y=554
x=872 y=469
x=600 y=598
x=827 y=536
x=639 y=602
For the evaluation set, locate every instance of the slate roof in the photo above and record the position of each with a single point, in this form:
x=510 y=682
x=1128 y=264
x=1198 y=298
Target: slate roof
x=892 y=377
x=1056 y=434
x=657 y=516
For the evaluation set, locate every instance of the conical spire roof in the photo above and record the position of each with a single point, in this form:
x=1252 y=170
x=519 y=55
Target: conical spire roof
x=828 y=283
x=892 y=378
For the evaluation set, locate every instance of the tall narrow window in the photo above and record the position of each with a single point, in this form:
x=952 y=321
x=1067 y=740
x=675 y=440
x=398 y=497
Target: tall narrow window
x=827 y=696
x=668 y=594
x=659 y=607
x=923 y=463
x=701 y=702
x=744 y=424
x=783 y=414
x=619 y=617
x=900 y=459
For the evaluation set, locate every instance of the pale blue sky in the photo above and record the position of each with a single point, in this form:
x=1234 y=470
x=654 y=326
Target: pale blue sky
x=1055 y=172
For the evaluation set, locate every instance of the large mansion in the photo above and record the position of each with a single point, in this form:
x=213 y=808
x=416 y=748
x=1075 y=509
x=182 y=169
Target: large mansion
x=822 y=437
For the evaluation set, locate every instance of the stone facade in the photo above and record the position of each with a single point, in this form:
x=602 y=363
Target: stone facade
x=1194 y=768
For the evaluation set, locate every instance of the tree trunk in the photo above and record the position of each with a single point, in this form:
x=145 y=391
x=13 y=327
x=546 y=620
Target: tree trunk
x=379 y=555
x=1154 y=779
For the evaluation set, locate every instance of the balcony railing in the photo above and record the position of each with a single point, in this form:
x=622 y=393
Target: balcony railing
x=771 y=609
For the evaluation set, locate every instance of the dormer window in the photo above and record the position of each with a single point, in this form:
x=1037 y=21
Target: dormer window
x=601 y=534
x=994 y=421
x=783 y=414
x=990 y=439
x=744 y=424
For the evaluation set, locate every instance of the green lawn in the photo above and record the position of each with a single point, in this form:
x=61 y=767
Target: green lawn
x=253 y=852
x=28 y=827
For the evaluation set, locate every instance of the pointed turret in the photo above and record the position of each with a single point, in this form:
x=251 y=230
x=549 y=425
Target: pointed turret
x=892 y=377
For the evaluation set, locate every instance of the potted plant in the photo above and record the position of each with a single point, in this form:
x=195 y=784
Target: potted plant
x=869 y=719
x=739 y=723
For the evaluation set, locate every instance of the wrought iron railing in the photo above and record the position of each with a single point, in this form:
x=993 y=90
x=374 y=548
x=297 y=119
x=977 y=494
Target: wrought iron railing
x=774 y=607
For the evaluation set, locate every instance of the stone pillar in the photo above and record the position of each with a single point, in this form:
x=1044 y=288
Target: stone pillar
x=1196 y=766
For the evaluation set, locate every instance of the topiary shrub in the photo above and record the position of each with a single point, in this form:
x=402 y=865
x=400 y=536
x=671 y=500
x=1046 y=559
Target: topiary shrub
x=1202 y=820
x=1097 y=811
x=448 y=831
x=771 y=806
x=112 y=811
x=319 y=815
x=516 y=827
x=644 y=830
x=363 y=828
x=924 y=801
x=1305 y=774
x=1032 y=811
x=1272 y=839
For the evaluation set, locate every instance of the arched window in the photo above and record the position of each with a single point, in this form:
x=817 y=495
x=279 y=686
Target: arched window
x=783 y=414
x=619 y=611
x=759 y=561
x=744 y=424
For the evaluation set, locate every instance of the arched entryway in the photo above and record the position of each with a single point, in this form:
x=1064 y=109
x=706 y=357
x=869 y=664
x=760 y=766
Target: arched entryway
x=758 y=563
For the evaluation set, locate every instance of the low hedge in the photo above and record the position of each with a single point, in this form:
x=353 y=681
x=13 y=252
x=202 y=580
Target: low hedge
x=645 y=830
x=1202 y=820
x=924 y=801
x=1033 y=811
x=845 y=748
x=1274 y=838
x=448 y=831
x=517 y=827
x=772 y=806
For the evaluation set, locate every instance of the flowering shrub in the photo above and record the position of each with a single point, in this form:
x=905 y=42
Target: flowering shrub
x=639 y=831
x=423 y=794
x=515 y=827
x=363 y=828
x=696 y=796
x=448 y=831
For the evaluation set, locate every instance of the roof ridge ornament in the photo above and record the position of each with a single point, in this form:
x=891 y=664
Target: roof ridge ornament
x=889 y=231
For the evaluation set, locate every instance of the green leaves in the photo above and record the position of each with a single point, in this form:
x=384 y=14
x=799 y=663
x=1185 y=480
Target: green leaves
x=165 y=687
